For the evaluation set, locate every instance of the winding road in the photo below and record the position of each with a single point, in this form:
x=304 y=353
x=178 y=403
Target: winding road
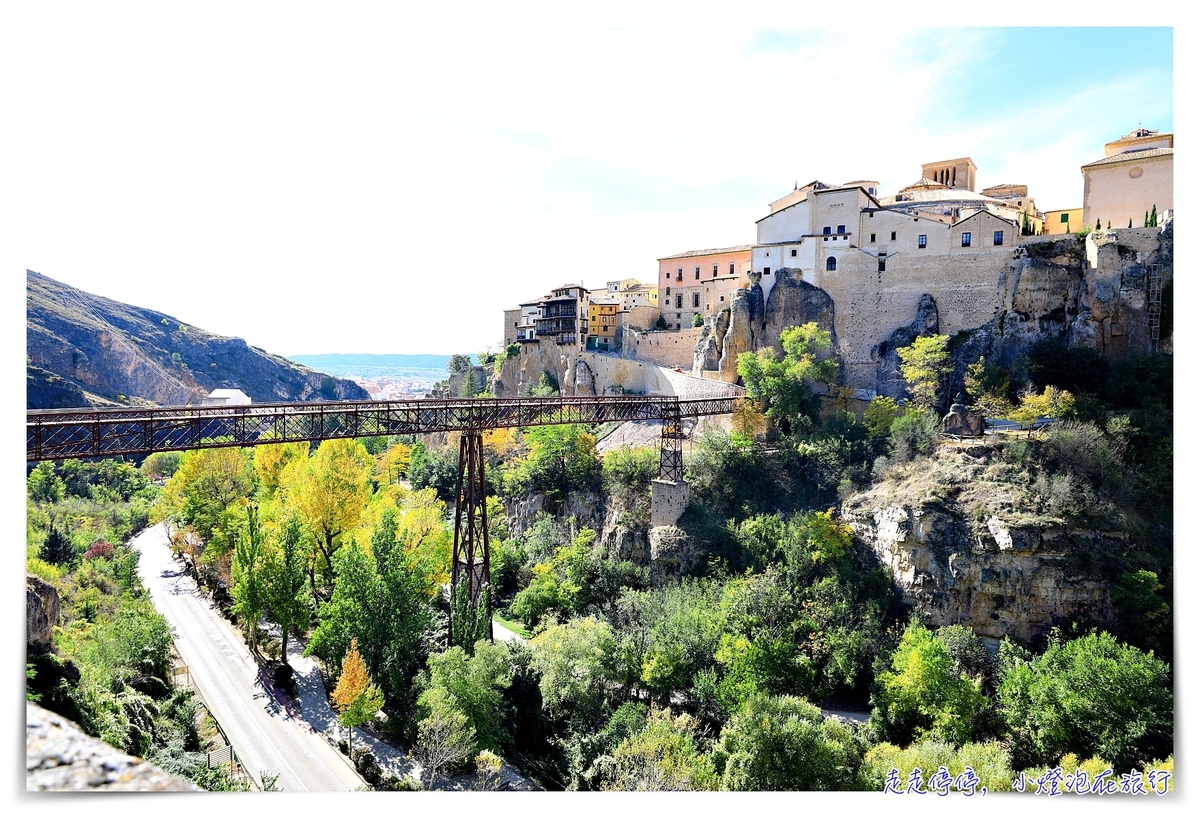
x=264 y=735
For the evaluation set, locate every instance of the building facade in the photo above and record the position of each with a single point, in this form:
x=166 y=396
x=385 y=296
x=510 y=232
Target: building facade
x=1135 y=176
x=698 y=282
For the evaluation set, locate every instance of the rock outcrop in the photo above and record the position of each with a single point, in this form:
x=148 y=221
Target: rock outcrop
x=962 y=422
x=41 y=612
x=80 y=345
x=888 y=380
x=59 y=757
x=965 y=542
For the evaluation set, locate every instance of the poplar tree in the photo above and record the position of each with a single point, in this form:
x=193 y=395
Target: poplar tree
x=284 y=559
x=248 y=591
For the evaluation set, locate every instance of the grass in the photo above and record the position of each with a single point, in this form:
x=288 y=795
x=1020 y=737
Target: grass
x=516 y=627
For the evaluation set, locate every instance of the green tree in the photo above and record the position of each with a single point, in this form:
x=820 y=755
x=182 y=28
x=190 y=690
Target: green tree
x=57 y=548
x=1154 y=215
x=782 y=384
x=879 y=415
x=249 y=593
x=925 y=365
x=1091 y=696
x=475 y=684
x=44 y=486
x=987 y=387
x=784 y=743
x=662 y=757
x=561 y=459
x=284 y=558
x=925 y=694
x=161 y=465
x=458 y=363
x=205 y=492
x=576 y=661
x=445 y=737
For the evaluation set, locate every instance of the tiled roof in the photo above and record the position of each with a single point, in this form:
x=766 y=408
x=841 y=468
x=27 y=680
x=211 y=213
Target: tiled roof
x=1131 y=156
x=712 y=252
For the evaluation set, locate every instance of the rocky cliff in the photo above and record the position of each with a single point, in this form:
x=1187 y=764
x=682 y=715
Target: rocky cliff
x=968 y=539
x=84 y=349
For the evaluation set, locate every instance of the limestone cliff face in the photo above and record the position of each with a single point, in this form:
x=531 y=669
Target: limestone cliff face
x=997 y=579
x=888 y=380
x=78 y=344
x=41 y=612
x=749 y=323
x=968 y=541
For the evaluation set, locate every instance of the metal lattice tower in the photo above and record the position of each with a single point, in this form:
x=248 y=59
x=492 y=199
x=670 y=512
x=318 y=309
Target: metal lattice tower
x=1154 y=303
x=670 y=461
x=472 y=557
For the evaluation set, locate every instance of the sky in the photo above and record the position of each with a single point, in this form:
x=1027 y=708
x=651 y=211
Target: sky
x=378 y=178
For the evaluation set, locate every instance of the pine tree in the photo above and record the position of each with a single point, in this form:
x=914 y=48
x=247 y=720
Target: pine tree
x=58 y=548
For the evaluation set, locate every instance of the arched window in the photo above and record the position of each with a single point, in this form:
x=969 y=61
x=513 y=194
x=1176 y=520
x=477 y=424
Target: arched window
x=831 y=264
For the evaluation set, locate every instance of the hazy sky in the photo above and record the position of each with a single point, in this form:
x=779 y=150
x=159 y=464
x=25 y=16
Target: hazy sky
x=374 y=178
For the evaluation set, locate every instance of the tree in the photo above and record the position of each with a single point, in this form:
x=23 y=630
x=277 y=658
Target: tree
x=475 y=684
x=784 y=743
x=575 y=660
x=1050 y=402
x=57 y=548
x=879 y=415
x=661 y=757
x=249 y=597
x=561 y=459
x=203 y=491
x=987 y=387
x=355 y=698
x=697 y=320
x=44 y=485
x=458 y=363
x=161 y=465
x=445 y=736
x=271 y=460
x=661 y=323
x=1093 y=697
x=924 y=365
x=1097 y=224
x=782 y=384
x=925 y=694
x=284 y=558
x=1154 y=215
x=330 y=493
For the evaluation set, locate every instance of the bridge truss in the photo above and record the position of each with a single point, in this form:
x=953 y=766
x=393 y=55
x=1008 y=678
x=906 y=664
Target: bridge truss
x=63 y=434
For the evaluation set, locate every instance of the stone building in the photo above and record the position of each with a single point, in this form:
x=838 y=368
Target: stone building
x=699 y=282
x=1135 y=175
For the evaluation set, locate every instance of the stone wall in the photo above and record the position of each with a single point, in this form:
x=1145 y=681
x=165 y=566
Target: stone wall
x=669 y=348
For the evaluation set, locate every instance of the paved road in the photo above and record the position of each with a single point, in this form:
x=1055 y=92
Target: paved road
x=262 y=733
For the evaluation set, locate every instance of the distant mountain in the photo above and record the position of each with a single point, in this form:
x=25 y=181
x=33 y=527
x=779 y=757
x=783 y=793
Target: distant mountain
x=86 y=350
x=376 y=366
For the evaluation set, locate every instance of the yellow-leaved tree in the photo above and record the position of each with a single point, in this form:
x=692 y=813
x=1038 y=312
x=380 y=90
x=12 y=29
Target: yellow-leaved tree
x=355 y=698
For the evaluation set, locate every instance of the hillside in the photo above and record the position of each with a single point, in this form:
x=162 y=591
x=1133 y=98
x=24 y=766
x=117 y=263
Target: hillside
x=83 y=349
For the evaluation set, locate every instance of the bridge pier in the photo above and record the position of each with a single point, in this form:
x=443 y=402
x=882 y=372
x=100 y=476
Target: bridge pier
x=471 y=561
x=668 y=501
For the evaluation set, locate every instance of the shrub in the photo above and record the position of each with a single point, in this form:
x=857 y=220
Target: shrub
x=99 y=549
x=989 y=762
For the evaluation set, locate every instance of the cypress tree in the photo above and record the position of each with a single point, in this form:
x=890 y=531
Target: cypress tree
x=1154 y=215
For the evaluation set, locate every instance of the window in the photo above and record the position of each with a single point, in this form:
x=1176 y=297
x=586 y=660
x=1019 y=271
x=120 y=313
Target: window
x=826 y=231
x=872 y=238
x=679 y=274
x=731 y=268
x=697 y=272
x=766 y=271
x=722 y=298
x=966 y=240
x=883 y=265
x=793 y=252
x=668 y=290
x=1064 y=218
x=841 y=229
x=695 y=299
x=831 y=264
x=677 y=325
x=893 y=235
x=998 y=237
x=921 y=241
x=678 y=300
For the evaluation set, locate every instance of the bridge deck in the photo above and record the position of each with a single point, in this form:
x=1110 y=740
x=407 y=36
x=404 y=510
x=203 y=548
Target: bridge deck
x=55 y=434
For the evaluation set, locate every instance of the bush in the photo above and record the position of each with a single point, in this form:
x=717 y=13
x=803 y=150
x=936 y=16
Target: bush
x=915 y=432
x=1089 y=696
x=989 y=762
